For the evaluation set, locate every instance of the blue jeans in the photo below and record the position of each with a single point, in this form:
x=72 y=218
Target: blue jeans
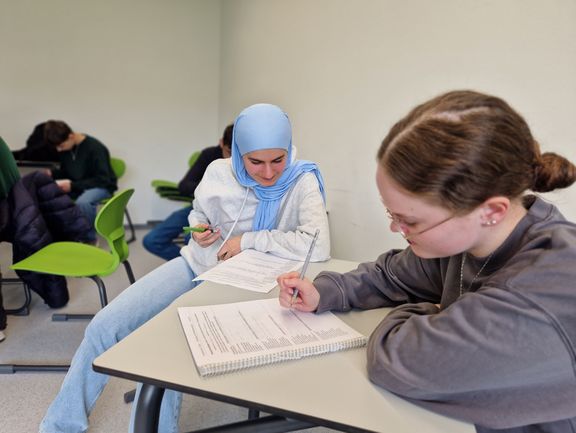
x=160 y=240
x=69 y=411
x=88 y=202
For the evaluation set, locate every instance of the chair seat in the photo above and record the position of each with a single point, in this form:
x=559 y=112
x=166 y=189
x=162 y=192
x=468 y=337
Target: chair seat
x=69 y=259
x=159 y=183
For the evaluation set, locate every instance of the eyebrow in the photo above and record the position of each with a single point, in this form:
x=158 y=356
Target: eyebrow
x=404 y=217
x=259 y=160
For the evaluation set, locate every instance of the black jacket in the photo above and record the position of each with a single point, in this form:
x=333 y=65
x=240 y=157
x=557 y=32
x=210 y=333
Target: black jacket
x=35 y=214
x=188 y=184
x=36 y=148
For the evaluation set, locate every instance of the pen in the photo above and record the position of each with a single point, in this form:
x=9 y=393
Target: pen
x=196 y=229
x=306 y=262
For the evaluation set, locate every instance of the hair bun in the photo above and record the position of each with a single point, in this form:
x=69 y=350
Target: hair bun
x=553 y=171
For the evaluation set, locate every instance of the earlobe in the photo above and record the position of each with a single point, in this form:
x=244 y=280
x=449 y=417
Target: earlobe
x=494 y=210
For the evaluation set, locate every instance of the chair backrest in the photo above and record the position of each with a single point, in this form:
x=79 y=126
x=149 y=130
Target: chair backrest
x=110 y=223
x=118 y=167
x=193 y=158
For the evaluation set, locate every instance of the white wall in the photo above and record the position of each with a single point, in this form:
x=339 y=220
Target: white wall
x=157 y=79
x=345 y=71
x=140 y=75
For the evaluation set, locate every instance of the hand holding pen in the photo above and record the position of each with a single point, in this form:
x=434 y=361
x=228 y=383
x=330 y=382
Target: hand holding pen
x=203 y=234
x=307 y=298
x=302 y=294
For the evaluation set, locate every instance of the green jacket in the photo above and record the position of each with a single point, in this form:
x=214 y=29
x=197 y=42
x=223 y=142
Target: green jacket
x=9 y=173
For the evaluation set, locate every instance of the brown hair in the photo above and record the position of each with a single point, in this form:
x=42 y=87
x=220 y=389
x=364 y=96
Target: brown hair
x=56 y=132
x=227 y=135
x=463 y=147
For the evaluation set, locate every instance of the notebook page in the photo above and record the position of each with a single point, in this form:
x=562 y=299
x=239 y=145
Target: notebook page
x=250 y=270
x=229 y=337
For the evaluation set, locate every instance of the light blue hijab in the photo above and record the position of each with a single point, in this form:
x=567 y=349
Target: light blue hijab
x=266 y=126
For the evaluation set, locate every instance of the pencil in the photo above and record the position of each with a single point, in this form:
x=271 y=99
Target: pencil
x=305 y=266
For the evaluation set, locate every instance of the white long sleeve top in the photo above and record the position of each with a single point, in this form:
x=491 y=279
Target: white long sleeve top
x=219 y=201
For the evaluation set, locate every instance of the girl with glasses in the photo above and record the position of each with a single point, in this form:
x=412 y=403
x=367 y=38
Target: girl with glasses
x=483 y=325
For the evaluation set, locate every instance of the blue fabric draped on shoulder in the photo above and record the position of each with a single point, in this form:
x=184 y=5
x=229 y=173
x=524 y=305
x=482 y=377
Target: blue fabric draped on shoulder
x=266 y=126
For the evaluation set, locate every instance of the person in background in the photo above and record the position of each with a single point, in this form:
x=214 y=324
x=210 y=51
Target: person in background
x=36 y=148
x=261 y=198
x=161 y=239
x=85 y=172
x=9 y=175
x=483 y=327
x=34 y=212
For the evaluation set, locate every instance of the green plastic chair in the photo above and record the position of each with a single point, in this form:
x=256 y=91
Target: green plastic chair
x=119 y=168
x=168 y=189
x=75 y=259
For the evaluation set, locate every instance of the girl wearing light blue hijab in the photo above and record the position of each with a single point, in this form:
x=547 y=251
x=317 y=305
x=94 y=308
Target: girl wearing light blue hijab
x=259 y=199
x=260 y=127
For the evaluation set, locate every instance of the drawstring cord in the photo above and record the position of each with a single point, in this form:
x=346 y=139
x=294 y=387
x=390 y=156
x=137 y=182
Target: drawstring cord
x=238 y=217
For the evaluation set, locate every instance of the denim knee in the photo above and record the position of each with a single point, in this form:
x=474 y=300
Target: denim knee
x=102 y=333
x=149 y=241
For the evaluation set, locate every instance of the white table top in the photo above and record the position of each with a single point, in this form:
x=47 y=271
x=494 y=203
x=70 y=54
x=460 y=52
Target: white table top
x=331 y=390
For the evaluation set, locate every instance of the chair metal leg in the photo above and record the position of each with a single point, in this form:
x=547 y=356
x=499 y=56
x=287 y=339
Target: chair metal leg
x=24 y=309
x=62 y=317
x=129 y=271
x=15 y=368
x=132 y=237
x=101 y=290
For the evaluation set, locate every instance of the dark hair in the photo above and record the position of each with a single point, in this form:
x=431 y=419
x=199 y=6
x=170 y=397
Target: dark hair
x=56 y=132
x=227 y=135
x=463 y=147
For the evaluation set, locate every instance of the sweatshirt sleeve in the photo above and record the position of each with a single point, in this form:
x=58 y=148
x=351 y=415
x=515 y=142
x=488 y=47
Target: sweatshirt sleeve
x=304 y=212
x=188 y=184
x=487 y=353
x=395 y=278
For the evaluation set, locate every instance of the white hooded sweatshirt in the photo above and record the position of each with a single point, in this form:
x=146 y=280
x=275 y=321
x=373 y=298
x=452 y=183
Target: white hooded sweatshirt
x=219 y=201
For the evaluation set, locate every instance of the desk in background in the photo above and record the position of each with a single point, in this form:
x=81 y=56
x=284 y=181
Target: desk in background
x=25 y=167
x=329 y=390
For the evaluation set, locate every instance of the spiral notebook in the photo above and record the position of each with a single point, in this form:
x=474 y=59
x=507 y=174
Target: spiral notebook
x=229 y=337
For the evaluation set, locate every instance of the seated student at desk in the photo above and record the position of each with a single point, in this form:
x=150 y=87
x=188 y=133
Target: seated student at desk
x=484 y=328
x=85 y=172
x=260 y=199
x=161 y=240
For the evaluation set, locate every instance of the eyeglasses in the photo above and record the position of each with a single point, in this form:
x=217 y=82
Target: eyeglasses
x=403 y=225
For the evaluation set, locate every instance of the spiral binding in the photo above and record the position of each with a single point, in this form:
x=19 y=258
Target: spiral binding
x=280 y=356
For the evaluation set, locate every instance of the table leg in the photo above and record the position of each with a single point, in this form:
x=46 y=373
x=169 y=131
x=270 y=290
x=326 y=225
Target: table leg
x=148 y=409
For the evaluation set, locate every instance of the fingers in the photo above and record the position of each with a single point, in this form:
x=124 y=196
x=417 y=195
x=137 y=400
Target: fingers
x=308 y=297
x=285 y=298
x=230 y=248
x=288 y=276
x=206 y=238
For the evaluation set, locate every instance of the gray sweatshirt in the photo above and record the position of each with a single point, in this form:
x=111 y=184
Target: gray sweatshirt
x=502 y=355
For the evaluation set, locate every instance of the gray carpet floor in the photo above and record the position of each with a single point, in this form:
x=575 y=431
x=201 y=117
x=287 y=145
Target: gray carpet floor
x=24 y=396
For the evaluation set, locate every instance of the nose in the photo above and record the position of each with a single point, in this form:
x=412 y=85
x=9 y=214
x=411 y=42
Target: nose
x=268 y=172
x=397 y=228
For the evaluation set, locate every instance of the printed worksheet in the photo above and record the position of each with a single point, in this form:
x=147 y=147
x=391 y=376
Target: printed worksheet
x=250 y=270
x=229 y=337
